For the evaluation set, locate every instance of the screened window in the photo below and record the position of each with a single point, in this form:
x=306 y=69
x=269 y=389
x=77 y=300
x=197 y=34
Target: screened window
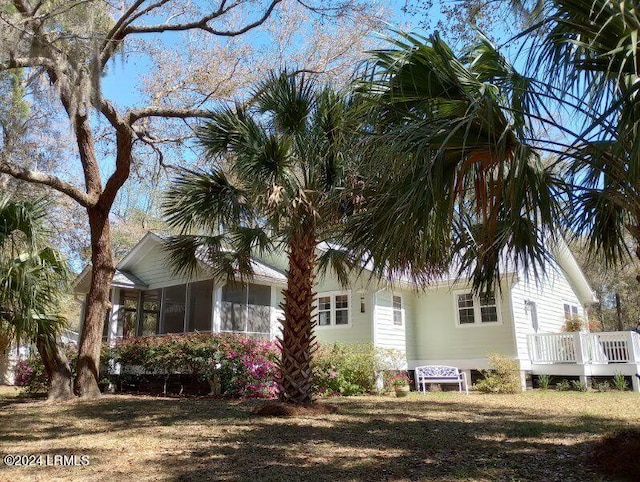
x=397 y=310
x=472 y=310
x=128 y=313
x=259 y=309
x=333 y=309
x=174 y=305
x=150 y=315
x=246 y=308
x=200 y=306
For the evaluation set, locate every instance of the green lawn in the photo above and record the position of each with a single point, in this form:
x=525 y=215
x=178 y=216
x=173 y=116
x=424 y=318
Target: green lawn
x=439 y=436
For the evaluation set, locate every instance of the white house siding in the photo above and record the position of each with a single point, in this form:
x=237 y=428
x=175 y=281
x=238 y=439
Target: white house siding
x=388 y=335
x=359 y=329
x=153 y=268
x=549 y=294
x=439 y=339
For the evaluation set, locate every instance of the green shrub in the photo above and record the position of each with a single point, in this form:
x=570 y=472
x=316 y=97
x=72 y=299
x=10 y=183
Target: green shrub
x=578 y=386
x=544 y=381
x=601 y=386
x=563 y=386
x=342 y=369
x=503 y=376
x=620 y=382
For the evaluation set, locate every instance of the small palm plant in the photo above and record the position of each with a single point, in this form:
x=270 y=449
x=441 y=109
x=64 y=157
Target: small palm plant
x=277 y=166
x=32 y=277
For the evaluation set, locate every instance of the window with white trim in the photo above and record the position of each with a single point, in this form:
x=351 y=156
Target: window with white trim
x=570 y=311
x=532 y=314
x=333 y=309
x=476 y=310
x=397 y=310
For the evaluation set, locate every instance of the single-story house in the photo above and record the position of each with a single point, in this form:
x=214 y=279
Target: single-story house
x=445 y=324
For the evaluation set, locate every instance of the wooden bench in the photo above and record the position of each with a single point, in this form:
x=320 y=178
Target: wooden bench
x=440 y=374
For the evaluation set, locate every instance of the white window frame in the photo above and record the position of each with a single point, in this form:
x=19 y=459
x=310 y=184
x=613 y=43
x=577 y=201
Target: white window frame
x=573 y=307
x=332 y=317
x=531 y=313
x=477 y=314
x=393 y=309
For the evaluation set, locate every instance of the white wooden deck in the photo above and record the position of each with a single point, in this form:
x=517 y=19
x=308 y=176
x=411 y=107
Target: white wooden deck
x=586 y=354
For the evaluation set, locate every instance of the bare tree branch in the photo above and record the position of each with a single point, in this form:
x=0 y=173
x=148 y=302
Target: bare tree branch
x=48 y=180
x=203 y=23
x=166 y=112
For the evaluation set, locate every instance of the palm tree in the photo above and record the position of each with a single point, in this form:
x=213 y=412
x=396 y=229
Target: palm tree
x=455 y=179
x=31 y=278
x=274 y=185
x=587 y=55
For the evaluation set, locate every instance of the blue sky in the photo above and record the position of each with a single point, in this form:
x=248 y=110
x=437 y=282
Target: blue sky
x=120 y=84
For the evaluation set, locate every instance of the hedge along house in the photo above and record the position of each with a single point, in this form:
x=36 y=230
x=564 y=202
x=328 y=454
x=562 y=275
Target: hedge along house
x=446 y=324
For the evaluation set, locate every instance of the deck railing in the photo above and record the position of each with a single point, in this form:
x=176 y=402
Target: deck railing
x=585 y=348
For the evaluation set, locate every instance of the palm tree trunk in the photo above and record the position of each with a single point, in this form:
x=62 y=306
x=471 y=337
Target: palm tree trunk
x=57 y=368
x=298 y=341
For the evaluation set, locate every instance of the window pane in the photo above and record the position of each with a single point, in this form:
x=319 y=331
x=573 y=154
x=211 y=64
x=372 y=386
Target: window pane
x=173 y=309
x=324 y=311
x=324 y=303
x=150 y=312
x=466 y=316
x=129 y=323
x=532 y=313
x=324 y=318
x=200 y=305
x=342 y=310
x=465 y=300
x=487 y=299
x=259 y=310
x=397 y=310
x=574 y=310
x=567 y=311
x=342 y=317
x=233 y=313
x=489 y=314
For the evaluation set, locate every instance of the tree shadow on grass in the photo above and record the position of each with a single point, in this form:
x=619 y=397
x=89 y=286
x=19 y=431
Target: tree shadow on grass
x=379 y=450
x=370 y=439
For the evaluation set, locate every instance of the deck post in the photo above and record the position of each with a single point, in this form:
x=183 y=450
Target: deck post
x=635 y=383
x=579 y=348
x=633 y=347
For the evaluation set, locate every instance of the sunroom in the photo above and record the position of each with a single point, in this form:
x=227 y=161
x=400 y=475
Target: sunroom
x=203 y=306
x=149 y=299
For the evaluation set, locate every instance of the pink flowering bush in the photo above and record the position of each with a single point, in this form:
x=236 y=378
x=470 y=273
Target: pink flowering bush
x=31 y=375
x=247 y=367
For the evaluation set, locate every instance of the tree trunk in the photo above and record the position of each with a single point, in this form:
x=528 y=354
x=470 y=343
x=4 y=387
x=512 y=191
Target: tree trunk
x=98 y=303
x=57 y=368
x=297 y=339
x=619 y=312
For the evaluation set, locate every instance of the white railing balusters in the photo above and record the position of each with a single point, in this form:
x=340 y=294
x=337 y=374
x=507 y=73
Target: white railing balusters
x=585 y=348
